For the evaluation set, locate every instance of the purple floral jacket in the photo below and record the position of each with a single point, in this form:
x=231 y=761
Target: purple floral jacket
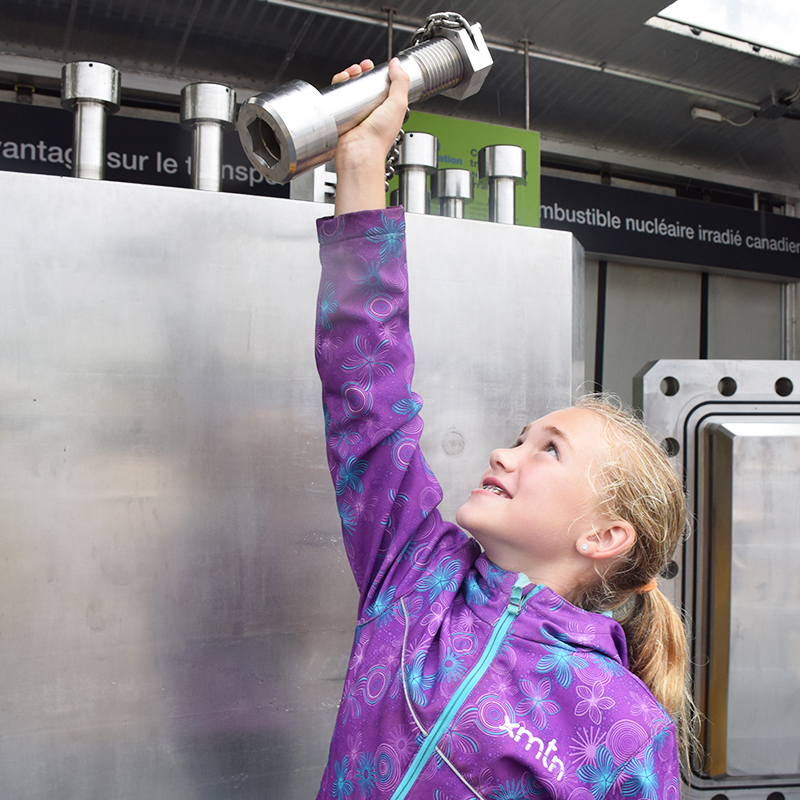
x=465 y=681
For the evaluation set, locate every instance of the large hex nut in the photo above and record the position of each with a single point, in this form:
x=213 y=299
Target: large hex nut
x=475 y=55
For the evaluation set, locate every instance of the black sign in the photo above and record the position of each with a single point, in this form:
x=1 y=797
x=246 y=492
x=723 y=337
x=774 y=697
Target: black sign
x=39 y=139
x=620 y=223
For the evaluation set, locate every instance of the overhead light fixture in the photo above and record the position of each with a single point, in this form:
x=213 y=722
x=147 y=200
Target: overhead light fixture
x=706 y=114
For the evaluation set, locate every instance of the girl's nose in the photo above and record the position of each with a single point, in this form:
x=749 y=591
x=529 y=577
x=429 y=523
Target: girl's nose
x=501 y=458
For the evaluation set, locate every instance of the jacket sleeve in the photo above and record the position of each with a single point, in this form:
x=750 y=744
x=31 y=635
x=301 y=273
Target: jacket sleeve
x=385 y=493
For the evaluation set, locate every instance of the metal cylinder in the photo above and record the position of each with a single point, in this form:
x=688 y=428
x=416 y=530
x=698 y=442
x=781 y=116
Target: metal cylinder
x=452 y=188
x=418 y=158
x=296 y=128
x=208 y=110
x=503 y=167
x=90 y=90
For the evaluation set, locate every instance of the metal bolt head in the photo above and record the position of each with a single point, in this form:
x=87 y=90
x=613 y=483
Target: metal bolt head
x=90 y=81
x=453 y=183
x=475 y=55
x=502 y=161
x=420 y=150
x=207 y=102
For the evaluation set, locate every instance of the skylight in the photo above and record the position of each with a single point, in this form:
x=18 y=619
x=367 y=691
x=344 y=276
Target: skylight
x=751 y=24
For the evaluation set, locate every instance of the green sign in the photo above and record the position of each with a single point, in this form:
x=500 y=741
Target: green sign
x=459 y=143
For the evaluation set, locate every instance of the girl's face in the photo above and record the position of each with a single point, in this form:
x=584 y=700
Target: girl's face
x=536 y=500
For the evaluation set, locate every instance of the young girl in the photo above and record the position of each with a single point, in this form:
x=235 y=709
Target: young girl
x=487 y=666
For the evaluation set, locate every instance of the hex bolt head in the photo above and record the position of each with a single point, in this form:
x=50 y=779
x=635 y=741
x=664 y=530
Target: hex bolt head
x=207 y=102
x=90 y=81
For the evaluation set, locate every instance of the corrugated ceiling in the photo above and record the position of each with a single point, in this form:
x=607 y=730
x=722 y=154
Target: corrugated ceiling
x=256 y=44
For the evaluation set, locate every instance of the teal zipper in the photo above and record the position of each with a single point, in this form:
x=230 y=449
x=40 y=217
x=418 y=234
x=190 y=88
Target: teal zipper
x=466 y=686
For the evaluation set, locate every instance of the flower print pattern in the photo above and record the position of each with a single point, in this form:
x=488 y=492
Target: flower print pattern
x=476 y=596
x=494 y=575
x=593 y=703
x=327 y=305
x=342 y=787
x=364 y=507
x=389 y=330
x=608 y=665
x=368 y=277
x=536 y=703
x=325 y=344
x=366 y=361
x=416 y=682
x=382 y=609
x=349 y=519
x=561 y=661
x=640 y=777
x=350 y=476
x=408 y=407
x=457 y=741
x=582 y=635
x=350 y=707
x=402 y=742
x=389 y=235
x=451 y=667
x=440 y=579
x=354 y=746
x=599 y=775
x=432 y=621
x=585 y=743
x=662 y=736
x=503 y=685
x=342 y=436
x=506 y=655
x=366 y=774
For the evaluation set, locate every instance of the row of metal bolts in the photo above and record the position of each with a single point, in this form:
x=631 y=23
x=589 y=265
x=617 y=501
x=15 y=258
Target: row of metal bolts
x=92 y=91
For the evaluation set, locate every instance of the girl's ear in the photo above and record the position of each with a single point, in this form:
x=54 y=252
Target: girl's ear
x=610 y=538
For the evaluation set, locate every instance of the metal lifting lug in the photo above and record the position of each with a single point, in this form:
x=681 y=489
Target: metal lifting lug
x=296 y=127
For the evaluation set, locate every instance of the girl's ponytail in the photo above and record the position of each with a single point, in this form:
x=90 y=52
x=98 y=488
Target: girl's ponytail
x=657 y=654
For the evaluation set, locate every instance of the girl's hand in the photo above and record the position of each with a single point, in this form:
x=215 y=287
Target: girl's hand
x=361 y=152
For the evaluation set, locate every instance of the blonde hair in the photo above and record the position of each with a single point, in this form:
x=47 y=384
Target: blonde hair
x=635 y=482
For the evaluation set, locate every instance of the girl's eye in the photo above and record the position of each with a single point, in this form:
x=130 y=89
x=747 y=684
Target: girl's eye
x=550 y=447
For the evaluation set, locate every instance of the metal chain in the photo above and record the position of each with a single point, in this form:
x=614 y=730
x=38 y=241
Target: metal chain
x=444 y=19
x=394 y=154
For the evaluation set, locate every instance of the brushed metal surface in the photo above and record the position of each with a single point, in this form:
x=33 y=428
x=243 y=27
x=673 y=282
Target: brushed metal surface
x=177 y=610
x=755 y=517
x=732 y=426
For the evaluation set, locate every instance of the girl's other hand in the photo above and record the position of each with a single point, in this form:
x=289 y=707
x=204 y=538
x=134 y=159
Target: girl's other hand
x=361 y=152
